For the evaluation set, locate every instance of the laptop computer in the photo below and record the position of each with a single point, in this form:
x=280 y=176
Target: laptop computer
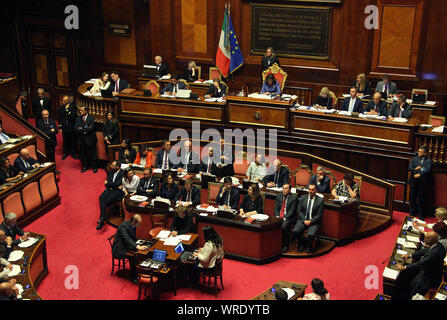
x=158 y=259
x=106 y=94
x=185 y=255
x=149 y=71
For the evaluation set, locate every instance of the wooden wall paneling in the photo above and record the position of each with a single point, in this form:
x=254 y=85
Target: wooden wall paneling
x=62 y=71
x=41 y=69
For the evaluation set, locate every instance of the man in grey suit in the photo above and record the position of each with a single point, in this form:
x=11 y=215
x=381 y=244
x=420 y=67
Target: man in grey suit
x=310 y=214
x=285 y=208
x=125 y=240
x=401 y=109
x=386 y=87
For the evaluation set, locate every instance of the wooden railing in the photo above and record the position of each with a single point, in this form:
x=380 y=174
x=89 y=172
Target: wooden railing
x=97 y=106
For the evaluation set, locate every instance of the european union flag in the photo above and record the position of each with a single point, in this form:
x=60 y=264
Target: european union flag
x=237 y=60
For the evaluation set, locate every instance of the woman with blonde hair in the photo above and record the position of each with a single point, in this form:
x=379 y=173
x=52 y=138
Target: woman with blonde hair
x=362 y=85
x=191 y=74
x=324 y=99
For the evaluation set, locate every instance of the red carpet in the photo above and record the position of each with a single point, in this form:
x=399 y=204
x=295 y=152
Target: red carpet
x=73 y=241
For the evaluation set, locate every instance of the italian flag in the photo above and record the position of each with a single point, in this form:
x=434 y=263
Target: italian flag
x=223 y=56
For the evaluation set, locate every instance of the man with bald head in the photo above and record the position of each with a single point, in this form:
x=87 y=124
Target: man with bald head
x=24 y=162
x=189 y=159
x=424 y=273
x=162 y=67
x=377 y=106
x=9 y=290
x=279 y=177
x=66 y=119
x=125 y=240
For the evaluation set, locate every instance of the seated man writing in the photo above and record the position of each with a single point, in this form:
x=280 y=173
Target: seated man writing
x=182 y=223
x=24 y=162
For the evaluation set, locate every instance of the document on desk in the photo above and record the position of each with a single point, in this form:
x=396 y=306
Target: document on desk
x=172 y=241
x=28 y=243
x=390 y=273
x=440 y=296
x=401 y=252
x=401 y=241
x=290 y=292
x=163 y=234
x=410 y=245
x=413 y=239
x=15 y=270
x=158 y=171
x=211 y=100
x=16 y=255
x=276 y=189
x=184 y=237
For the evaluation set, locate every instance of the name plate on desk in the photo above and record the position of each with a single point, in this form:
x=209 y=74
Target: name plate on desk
x=294 y=31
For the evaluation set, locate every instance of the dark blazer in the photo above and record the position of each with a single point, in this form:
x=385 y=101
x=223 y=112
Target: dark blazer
x=169 y=194
x=257 y=205
x=228 y=170
x=358 y=107
x=7 y=250
x=365 y=91
x=282 y=177
x=424 y=172
x=189 y=77
x=86 y=131
x=159 y=160
x=204 y=166
x=317 y=210
x=41 y=125
x=16 y=230
x=392 y=87
x=170 y=87
x=382 y=108
x=125 y=240
x=195 y=195
x=111 y=131
x=291 y=204
x=324 y=186
x=267 y=63
x=193 y=162
x=212 y=90
x=67 y=118
x=21 y=167
x=37 y=106
x=163 y=70
x=430 y=265
x=153 y=184
x=324 y=102
x=183 y=225
x=394 y=111
x=118 y=180
x=234 y=198
x=122 y=84
x=12 y=172
x=127 y=158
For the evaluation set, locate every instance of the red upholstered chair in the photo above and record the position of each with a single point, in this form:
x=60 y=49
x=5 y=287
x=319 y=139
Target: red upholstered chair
x=146 y=279
x=48 y=186
x=302 y=175
x=199 y=73
x=358 y=181
x=32 y=151
x=12 y=157
x=215 y=73
x=209 y=273
x=31 y=196
x=333 y=179
x=1 y=215
x=158 y=224
x=280 y=74
x=213 y=191
x=240 y=168
x=115 y=261
x=13 y=203
x=154 y=87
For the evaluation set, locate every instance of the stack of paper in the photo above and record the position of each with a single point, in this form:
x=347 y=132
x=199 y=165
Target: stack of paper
x=413 y=239
x=277 y=189
x=184 y=237
x=15 y=270
x=16 y=255
x=28 y=243
x=440 y=296
x=172 y=241
x=166 y=77
x=163 y=234
x=401 y=252
x=390 y=273
x=345 y=113
x=400 y=120
x=438 y=129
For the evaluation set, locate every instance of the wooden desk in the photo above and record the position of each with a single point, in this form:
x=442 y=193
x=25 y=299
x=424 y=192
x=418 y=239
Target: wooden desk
x=299 y=289
x=34 y=265
x=199 y=88
x=17 y=146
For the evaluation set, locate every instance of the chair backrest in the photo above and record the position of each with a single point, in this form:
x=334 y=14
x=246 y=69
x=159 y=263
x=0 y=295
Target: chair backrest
x=158 y=220
x=302 y=175
x=13 y=203
x=278 y=72
x=199 y=72
x=215 y=73
x=358 y=181
x=436 y=121
x=213 y=191
x=110 y=239
x=154 y=87
x=289 y=171
x=48 y=186
x=240 y=168
x=333 y=179
x=12 y=157
x=185 y=82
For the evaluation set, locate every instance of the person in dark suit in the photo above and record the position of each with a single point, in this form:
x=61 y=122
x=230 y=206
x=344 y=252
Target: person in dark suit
x=189 y=159
x=162 y=160
x=225 y=168
x=49 y=127
x=113 y=191
x=310 y=214
x=362 y=85
x=125 y=241
x=191 y=74
x=118 y=84
x=386 y=87
x=174 y=86
x=252 y=203
x=228 y=195
x=279 y=177
x=401 y=109
x=217 y=89
x=8 y=172
x=22 y=100
x=321 y=180
x=110 y=130
x=149 y=185
x=11 y=229
x=6 y=244
x=9 y=290
x=424 y=273
x=40 y=103
x=352 y=104
x=377 y=106
x=420 y=170
x=324 y=99
x=169 y=188
x=182 y=223
x=285 y=208
x=67 y=119
x=207 y=165
x=189 y=195
x=269 y=59
x=162 y=67
x=85 y=127
x=24 y=162
x=127 y=153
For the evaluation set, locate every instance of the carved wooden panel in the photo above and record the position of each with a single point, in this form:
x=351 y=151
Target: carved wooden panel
x=60 y=41
x=257 y=115
x=62 y=71
x=194 y=25
x=39 y=39
x=41 y=68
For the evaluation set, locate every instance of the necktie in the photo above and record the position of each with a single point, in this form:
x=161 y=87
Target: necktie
x=165 y=162
x=85 y=119
x=46 y=122
x=185 y=165
x=116 y=86
x=188 y=197
x=146 y=185
x=400 y=112
x=276 y=178
x=228 y=198
x=209 y=165
x=283 y=207
x=26 y=164
x=175 y=89
x=309 y=204
x=376 y=108
x=351 y=105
